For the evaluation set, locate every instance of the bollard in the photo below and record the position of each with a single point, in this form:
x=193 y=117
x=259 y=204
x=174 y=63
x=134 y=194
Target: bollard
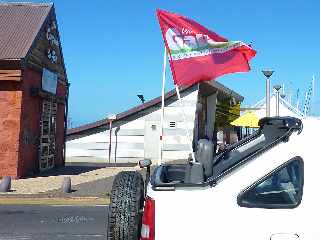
x=5 y=185
x=66 y=185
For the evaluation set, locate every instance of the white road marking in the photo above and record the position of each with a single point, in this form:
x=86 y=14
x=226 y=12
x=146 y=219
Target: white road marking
x=100 y=205
x=16 y=238
x=81 y=235
x=24 y=237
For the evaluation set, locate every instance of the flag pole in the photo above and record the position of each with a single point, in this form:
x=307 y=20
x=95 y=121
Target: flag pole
x=305 y=104
x=162 y=105
x=185 y=122
x=313 y=85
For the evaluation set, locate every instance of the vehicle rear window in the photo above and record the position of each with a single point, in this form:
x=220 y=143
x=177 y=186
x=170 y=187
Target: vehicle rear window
x=282 y=188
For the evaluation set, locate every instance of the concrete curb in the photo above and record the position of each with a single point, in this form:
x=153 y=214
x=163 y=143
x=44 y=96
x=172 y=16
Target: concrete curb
x=77 y=201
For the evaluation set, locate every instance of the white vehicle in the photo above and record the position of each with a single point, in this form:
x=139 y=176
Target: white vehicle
x=265 y=187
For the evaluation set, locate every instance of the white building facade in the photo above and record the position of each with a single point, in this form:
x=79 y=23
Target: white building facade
x=136 y=132
x=285 y=108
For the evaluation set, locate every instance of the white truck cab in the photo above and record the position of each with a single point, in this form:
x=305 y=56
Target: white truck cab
x=262 y=188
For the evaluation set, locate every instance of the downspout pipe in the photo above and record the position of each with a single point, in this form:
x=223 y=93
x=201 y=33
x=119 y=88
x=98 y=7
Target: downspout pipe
x=66 y=123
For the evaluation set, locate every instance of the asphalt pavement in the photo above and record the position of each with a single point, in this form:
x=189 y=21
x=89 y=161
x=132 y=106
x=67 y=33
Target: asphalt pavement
x=40 y=222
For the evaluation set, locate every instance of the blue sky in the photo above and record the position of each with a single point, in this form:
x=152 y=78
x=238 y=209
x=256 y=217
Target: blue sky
x=113 y=50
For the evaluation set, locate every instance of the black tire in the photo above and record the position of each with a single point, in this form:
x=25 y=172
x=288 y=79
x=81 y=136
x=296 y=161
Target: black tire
x=125 y=209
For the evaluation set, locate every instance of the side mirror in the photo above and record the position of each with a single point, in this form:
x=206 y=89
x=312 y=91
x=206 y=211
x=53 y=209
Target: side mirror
x=145 y=163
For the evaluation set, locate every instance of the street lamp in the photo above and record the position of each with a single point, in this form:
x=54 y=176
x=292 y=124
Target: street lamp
x=141 y=97
x=277 y=88
x=282 y=94
x=267 y=74
x=110 y=118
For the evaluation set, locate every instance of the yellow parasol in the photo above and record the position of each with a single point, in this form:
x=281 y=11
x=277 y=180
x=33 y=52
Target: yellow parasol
x=249 y=119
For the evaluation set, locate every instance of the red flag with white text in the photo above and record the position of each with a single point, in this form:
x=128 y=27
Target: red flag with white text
x=197 y=54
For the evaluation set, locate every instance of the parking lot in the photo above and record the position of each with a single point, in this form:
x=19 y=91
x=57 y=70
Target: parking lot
x=38 y=222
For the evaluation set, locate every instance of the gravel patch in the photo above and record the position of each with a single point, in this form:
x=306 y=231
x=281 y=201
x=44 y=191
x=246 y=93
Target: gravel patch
x=86 y=182
x=44 y=184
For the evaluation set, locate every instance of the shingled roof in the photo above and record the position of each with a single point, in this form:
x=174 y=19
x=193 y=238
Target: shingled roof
x=19 y=26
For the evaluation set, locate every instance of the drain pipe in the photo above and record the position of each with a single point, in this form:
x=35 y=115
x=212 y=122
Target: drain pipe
x=110 y=118
x=66 y=122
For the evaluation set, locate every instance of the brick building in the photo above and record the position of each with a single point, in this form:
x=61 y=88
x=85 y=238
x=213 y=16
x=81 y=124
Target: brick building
x=33 y=90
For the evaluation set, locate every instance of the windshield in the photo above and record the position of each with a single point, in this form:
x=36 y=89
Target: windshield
x=258 y=141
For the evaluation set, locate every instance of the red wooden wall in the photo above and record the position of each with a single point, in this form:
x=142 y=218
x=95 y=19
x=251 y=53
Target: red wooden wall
x=30 y=125
x=20 y=115
x=10 y=113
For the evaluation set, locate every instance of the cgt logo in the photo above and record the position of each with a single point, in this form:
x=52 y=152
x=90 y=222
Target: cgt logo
x=187 y=40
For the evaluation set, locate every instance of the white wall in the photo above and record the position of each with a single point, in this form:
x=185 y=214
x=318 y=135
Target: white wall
x=131 y=136
x=284 y=109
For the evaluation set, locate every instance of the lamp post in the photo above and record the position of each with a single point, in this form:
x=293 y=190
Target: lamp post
x=110 y=118
x=277 y=88
x=282 y=94
x=267 y=74
x=141 y=97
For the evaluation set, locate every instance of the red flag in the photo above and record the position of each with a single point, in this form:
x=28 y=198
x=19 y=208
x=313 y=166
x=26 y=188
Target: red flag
x=198 y=54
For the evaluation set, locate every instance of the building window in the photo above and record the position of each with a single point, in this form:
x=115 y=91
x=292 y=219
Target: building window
x=172 y=124
x=282 y=188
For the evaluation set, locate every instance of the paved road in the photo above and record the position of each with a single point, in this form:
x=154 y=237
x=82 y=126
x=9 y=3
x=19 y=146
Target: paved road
x=38 y=222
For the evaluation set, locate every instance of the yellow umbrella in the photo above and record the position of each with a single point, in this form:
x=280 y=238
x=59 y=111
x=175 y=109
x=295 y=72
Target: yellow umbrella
x=249 y=119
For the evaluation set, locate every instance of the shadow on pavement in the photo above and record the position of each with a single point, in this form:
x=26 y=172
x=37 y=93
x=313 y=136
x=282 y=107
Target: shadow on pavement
x=78 y=168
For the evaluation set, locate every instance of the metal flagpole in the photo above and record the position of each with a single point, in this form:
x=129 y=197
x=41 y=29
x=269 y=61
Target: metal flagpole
x=162 y=104
x=185 y=122
x=305 y=104
x=313 y=85
x=297 y=99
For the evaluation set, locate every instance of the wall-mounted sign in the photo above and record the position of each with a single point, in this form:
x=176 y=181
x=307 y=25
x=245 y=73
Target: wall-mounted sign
x=49 y=81
x=52 y=37
x=50 y=34
x=51 y=54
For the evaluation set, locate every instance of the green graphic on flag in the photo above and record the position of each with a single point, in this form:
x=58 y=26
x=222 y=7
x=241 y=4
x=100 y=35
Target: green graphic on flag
x=195 y=45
